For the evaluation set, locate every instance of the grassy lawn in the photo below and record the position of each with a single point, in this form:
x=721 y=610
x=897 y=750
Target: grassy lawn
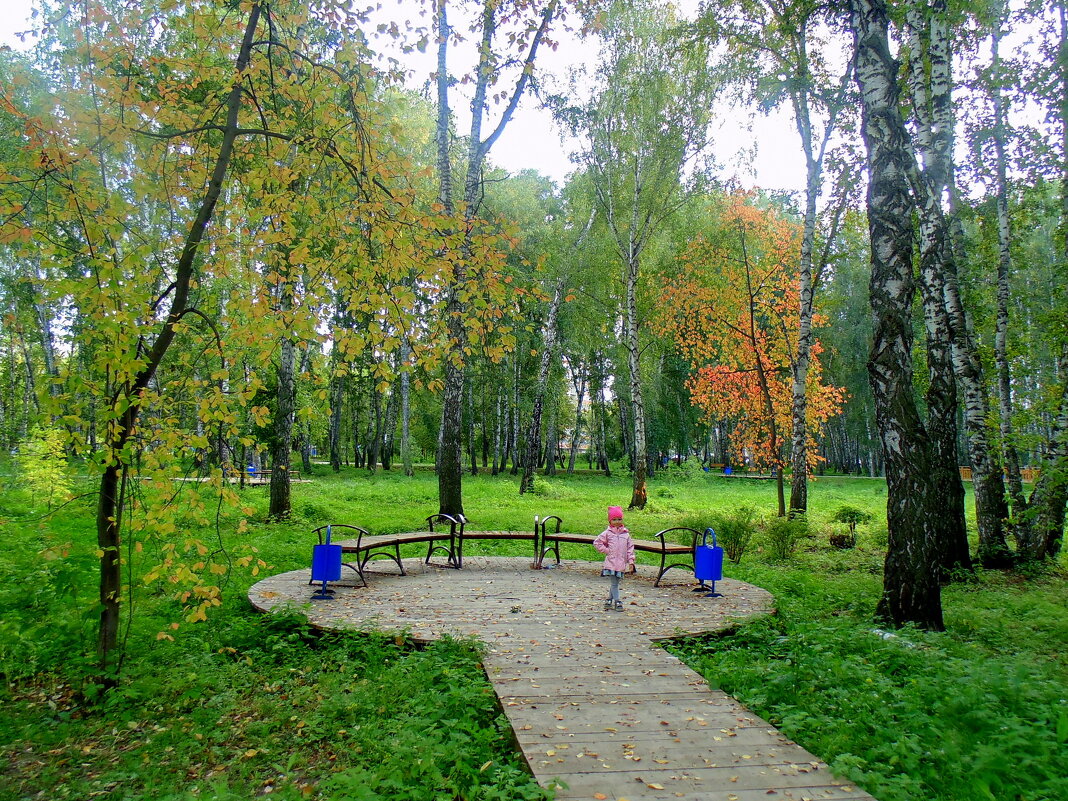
x=245 y=706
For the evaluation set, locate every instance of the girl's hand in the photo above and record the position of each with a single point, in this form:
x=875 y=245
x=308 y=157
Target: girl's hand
x=633 y=568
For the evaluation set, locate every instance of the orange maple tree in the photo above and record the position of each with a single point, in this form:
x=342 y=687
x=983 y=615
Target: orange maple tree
x=732 y=310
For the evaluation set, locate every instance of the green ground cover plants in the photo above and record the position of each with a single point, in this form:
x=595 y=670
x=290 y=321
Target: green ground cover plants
x=246 y=705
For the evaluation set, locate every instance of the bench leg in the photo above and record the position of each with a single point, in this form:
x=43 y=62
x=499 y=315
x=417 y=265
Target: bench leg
x=554 y=548
x=450 y=551
x=664 y=569
x=359 y=570
x=395 y=556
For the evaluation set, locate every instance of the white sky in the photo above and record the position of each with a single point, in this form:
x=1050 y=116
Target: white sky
x=768 y=156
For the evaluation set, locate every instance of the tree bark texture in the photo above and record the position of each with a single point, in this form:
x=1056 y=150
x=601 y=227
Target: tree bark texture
x=552 y=439
x=337 y=402
x=374 y=424
x=911 y=591
x=406 y=413
x=472 y=453
x=638 y=498
x=578 y=379
x=548 y=353
x=450 y=457
x=280 y=504
x=517 y=376
x=305 y=436
x=934 y=146
x=935 y=118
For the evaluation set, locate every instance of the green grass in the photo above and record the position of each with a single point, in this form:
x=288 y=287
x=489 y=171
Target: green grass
x=245 y=704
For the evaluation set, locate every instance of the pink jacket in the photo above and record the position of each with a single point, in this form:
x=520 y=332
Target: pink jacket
x=617 y=546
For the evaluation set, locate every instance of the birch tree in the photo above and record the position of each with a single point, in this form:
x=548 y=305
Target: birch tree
x=530 y=24
x=911 y=591
x=644 y=129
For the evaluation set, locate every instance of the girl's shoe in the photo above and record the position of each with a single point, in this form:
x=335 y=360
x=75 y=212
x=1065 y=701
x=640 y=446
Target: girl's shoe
x=608 y=605
x=619 y=606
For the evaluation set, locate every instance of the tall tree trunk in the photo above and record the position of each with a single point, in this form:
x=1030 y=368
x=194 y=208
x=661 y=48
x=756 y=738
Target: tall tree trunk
x=280 y=505
x=497 y=436
x=1001 y=337
x=630 y=340
x=450 y=466
x=808 y=272
x=548 y=352
x=515 y=444
x=774 y=448
x=471 y=453
x=552 y=438
x=389 y=430
x=935 y=150
x=450 y=456
x=306 y=433
x=406 y=413
x=485 y=428
x=597 y=429
x=355 y=407
x=337 y=402
x=374 y=425
x=48 y=343
x=30 y=401
x=911 y=591
x=625 y=442
x=578 y=377
x=936 y=117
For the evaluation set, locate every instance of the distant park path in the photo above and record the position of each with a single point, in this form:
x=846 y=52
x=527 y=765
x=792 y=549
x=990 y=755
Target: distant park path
x=596 y=707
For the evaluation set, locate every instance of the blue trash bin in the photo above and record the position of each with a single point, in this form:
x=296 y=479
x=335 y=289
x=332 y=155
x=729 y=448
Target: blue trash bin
x=326 y=566
x=708 y=564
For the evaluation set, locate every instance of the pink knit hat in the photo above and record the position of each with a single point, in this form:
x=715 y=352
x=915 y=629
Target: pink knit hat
x=614 y=512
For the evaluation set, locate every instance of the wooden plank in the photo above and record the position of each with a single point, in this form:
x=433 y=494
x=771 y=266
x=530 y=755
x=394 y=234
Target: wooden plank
x=636 y=780
x=591 y=701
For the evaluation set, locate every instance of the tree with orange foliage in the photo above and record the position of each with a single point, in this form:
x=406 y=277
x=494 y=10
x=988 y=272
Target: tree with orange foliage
x=731 y=309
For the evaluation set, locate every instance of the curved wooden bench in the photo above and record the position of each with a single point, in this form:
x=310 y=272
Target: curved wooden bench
x=366 y=546
x=495 y=535
x=551 y=539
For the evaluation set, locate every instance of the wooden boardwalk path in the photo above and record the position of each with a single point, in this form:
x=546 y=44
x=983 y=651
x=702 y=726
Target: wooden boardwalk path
x=598 y=709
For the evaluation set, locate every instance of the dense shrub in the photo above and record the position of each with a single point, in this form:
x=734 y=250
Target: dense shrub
x=782 y=536
x=734 y=531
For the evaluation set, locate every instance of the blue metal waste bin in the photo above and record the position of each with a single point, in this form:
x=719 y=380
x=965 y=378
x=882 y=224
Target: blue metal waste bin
x=708 y=563
x=326 y=565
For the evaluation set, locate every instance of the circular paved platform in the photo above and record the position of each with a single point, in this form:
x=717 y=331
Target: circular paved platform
x=596 y=710
x=494 y=595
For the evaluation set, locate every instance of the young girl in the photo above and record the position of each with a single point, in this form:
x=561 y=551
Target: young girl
x=615 y=543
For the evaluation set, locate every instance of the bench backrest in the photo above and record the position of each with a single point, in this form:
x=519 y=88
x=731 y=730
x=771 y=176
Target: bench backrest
x=345 y=531
x=456 y=523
